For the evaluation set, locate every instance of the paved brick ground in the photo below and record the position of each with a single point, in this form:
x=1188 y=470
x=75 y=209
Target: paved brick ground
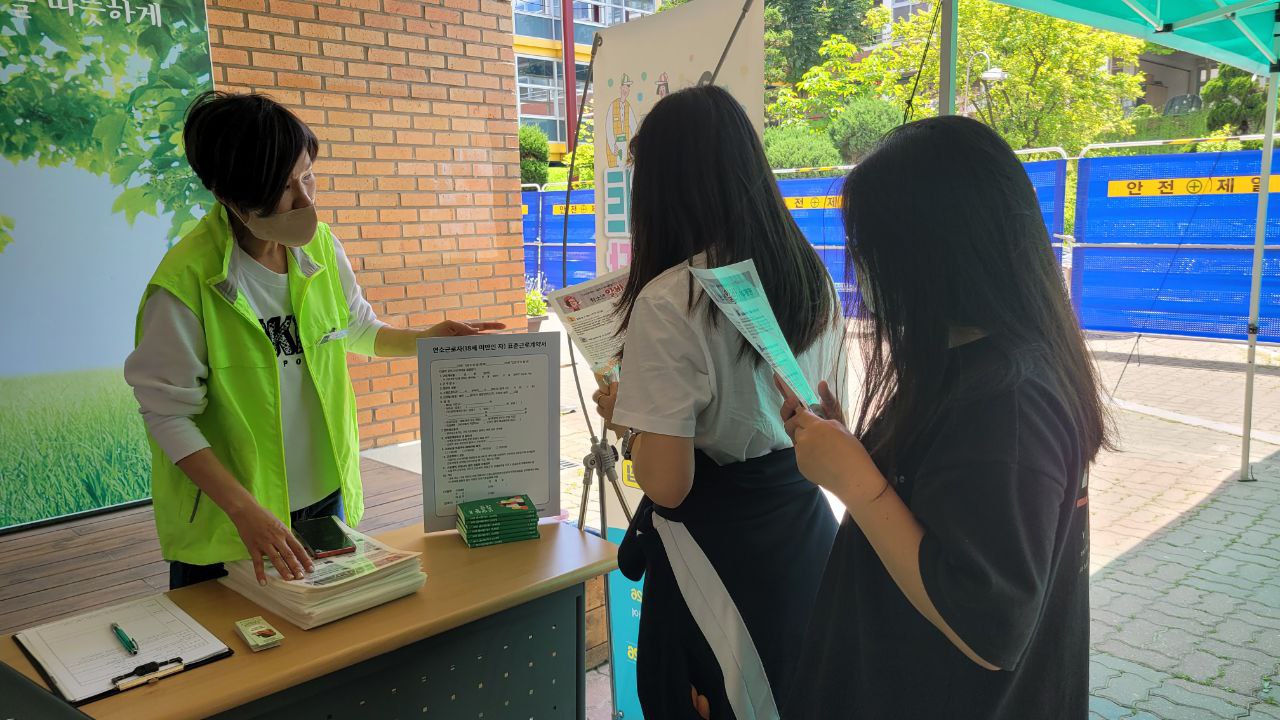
x=1186 y=582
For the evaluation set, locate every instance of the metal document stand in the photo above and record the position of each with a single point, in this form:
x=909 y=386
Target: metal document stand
x=523 y=663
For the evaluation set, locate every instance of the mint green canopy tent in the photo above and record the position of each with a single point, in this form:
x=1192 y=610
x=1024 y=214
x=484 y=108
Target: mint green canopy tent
x=1243 y=34
x=1240 y=33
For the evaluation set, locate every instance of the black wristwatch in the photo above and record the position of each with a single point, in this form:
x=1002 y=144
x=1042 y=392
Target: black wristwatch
x=628 y=440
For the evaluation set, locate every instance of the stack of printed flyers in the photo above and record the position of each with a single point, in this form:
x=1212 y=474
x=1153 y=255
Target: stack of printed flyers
x=497 y=520
x=341 y=585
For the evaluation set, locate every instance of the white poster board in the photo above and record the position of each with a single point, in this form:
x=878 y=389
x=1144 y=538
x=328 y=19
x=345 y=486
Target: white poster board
x=490 y=409
x=642 y=61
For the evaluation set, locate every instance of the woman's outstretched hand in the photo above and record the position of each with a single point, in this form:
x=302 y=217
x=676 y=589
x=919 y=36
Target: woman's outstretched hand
x=453 y=328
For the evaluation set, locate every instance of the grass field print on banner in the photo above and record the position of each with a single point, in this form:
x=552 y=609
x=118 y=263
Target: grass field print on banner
x=71 y=442
x=92 y=96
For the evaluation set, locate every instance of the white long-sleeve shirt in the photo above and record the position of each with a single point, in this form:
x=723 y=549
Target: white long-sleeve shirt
x=169 y=368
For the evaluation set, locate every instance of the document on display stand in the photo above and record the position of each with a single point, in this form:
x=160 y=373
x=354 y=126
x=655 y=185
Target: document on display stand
x=589 y=314
x=736 y=289
x=490 y=409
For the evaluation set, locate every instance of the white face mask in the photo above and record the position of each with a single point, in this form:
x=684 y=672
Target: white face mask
x=294 y=228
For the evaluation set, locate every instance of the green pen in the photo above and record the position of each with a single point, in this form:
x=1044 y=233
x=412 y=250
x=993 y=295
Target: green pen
x=130 y=646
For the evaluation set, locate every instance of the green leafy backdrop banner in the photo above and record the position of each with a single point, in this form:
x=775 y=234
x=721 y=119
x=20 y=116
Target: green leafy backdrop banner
x=95 y=189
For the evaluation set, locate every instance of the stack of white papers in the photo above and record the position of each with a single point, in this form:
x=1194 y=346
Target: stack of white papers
x=341 y=585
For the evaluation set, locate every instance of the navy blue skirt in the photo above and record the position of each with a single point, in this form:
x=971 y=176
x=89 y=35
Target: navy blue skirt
x=730 y=579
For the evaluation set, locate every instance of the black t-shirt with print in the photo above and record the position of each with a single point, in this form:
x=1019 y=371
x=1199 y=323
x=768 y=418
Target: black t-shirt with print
x=998 y=484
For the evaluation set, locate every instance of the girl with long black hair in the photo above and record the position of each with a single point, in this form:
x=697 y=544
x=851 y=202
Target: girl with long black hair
x=958 y=584
x=730 y=538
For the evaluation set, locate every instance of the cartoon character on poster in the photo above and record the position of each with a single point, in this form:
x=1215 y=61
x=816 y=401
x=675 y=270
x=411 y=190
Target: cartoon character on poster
x=620 y=118
x=620 y=123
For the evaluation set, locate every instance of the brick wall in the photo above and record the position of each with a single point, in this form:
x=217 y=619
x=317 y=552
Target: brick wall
x=414 y=104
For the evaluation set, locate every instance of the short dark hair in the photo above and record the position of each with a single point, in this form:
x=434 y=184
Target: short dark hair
x=244 y=146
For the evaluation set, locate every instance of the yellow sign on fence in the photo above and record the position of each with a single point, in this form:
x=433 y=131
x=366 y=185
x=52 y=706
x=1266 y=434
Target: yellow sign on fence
x=803 y=202
x=813 y=202
x=1170 y=187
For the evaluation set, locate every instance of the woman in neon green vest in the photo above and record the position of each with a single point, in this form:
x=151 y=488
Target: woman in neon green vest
x=242 y=337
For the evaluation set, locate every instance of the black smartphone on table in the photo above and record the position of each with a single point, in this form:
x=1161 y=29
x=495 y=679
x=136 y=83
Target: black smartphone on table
x=322 y=537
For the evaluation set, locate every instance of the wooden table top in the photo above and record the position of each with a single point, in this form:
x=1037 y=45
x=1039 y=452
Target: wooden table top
x=462 y=585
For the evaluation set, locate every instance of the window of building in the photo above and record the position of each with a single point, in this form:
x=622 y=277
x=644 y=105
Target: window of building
x=538 y=85
x=538 y=18
x=541 y=18
x=540 y=81
x=604 y=13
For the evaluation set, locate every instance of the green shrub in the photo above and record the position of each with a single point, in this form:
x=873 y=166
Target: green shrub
x=533 y=155
x=794 y=146
x=1235 y=98
x=857 y=129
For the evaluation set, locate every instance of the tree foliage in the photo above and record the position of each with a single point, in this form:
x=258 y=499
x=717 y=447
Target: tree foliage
x=848 y=18
x=6 y=231
x=777 y=68
x=1235 y=99
x=1058 y=90
x=583 y=158
x=533 y=155
x=811 y=22
x=825 y=89
x=800 y=17
x=109 y=99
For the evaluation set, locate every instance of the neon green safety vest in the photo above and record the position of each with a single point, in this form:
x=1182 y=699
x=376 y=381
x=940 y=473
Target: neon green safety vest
x=242 y=417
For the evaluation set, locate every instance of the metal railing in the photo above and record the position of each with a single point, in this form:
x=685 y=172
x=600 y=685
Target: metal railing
x=1060 y=152
x=1164 y=143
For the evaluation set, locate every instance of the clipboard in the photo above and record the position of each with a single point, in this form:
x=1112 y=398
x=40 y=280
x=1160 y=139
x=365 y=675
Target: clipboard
x=143 y=674
x=95 y=672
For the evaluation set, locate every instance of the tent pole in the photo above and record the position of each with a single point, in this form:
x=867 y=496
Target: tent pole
x=947 y=56
x=1255 y=289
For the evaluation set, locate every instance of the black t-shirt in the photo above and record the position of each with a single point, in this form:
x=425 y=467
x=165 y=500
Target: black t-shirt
x=998 y=483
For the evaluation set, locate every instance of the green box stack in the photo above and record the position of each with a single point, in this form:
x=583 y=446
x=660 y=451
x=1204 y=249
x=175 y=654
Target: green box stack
x=497 y=520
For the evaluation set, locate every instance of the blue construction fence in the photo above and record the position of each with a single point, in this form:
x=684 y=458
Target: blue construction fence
x=1160 y=244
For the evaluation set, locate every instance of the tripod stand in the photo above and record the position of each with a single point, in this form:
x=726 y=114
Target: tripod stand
x=601 y=463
